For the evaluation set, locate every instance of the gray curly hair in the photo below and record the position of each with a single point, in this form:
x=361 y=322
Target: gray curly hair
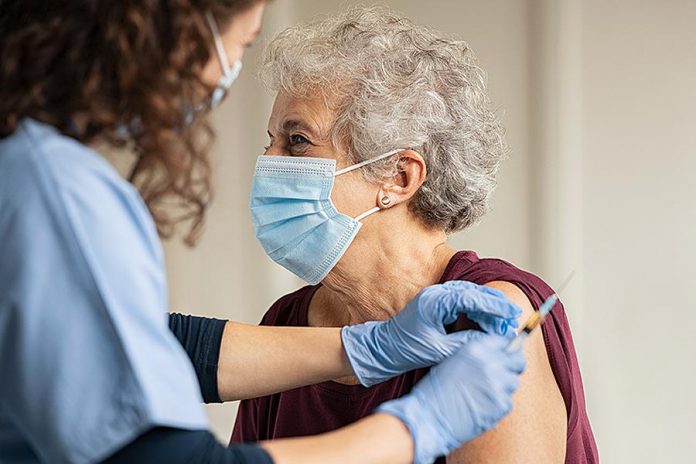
x=399 y=85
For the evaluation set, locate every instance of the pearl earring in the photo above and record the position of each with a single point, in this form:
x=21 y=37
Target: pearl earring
x=385 y=200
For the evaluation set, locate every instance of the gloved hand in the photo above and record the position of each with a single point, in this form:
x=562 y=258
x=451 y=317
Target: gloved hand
x=461 y=398
x=416 y=336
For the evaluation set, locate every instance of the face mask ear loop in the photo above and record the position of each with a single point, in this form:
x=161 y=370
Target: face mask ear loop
x=219 y=47
x=370 y=161
x=367 y=213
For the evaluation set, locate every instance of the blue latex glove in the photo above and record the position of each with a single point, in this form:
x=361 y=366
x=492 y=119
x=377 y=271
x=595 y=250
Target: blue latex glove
x=461 y=398
x=416 y=336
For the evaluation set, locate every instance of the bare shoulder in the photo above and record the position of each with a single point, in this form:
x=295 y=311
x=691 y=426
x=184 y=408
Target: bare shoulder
x=538 y=408
x=515 y=295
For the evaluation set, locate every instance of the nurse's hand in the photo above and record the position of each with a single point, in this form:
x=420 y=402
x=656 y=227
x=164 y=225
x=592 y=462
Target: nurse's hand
x=461 y=398
x=416 y=337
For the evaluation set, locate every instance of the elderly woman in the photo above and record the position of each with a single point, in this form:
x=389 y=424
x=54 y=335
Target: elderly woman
x=382 y=143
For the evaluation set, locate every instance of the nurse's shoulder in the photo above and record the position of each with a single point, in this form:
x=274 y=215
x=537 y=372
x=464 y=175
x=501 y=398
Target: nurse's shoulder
x=39 y=166
x=83 y=302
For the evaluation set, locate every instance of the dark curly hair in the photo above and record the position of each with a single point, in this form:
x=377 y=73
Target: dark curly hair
x=92 y=68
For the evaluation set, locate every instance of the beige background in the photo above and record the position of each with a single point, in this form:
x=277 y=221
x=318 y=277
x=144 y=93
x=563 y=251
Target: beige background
x=599 y=101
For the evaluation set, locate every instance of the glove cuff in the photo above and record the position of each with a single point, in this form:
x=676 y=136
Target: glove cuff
x=428 y=443
x=364 y=353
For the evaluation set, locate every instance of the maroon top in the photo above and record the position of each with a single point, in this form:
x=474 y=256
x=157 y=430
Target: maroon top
x=330 y=405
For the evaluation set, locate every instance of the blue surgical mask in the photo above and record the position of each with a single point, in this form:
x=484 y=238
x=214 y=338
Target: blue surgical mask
x=294 y=218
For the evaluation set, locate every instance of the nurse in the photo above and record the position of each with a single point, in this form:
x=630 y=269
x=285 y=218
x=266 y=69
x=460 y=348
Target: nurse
x=90 y=371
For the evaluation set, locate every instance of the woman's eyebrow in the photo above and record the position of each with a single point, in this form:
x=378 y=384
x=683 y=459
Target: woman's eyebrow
x=292 y=124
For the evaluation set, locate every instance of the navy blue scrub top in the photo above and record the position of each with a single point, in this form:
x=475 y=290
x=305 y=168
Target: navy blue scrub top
x=87 y=361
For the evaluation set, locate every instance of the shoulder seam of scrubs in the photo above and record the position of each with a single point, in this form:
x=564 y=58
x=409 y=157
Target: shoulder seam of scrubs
x=49 y=177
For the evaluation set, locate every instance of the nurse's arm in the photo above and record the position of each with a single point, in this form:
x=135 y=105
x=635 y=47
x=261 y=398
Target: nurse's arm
x=237 y=361
x=380 y=438
x=260 y=360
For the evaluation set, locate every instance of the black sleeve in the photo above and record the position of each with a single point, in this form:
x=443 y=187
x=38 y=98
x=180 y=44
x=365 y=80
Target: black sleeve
x=201 y=337
x=175 y=446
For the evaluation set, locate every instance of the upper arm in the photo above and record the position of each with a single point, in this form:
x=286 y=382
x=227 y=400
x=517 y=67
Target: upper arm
x=87 y=359
x=538 y=409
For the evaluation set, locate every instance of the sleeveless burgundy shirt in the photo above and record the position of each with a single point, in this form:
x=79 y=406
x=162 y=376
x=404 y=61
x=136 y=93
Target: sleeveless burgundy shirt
x=330 y=405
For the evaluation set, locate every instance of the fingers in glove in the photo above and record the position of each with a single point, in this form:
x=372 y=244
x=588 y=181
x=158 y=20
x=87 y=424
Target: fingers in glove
x=493 y=324
x=516 y=361
x=465 y=336
x=480 y=299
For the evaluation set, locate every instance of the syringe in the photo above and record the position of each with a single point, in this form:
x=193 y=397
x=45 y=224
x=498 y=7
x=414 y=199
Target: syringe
x=538 y=317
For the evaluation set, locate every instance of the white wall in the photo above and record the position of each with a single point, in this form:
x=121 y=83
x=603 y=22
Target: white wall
x=598 y=100
x=639 y=155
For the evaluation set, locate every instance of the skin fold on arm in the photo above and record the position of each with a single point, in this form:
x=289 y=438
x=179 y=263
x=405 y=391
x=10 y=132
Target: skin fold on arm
x=535 y=430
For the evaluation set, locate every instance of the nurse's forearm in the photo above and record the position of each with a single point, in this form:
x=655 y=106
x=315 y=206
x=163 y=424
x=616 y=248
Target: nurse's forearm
x=380 y=438
x=261 y=360
x=377 y=439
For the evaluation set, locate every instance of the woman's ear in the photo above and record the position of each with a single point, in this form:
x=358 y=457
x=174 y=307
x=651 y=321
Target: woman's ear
x=409 y=178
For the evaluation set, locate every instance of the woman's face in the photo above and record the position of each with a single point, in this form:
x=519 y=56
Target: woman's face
x=236 y=38
x=301 y=127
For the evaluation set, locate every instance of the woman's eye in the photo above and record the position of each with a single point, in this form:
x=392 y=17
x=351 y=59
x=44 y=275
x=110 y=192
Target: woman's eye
x=298 y=139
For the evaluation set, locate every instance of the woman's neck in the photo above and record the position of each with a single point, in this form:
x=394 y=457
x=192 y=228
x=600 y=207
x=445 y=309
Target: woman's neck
x=380 y=274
